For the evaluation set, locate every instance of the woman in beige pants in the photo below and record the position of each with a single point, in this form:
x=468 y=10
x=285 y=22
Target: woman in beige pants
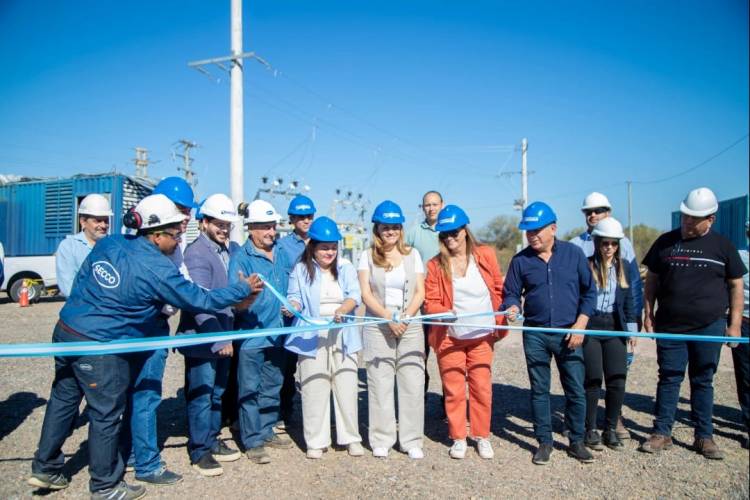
x=391 y=278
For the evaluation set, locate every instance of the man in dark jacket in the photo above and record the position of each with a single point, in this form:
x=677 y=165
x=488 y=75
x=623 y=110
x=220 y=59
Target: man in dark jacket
x=554 y=278
x=207 y=366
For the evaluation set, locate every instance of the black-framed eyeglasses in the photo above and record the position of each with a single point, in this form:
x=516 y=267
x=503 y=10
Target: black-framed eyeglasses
x=597 y=211
x=449 y=234
x=610 y=243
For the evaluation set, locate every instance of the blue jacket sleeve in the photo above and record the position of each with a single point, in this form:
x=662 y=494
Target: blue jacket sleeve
x=513 y=286
x=636 y=288
x=294 y=291
x=2 y=273
x=352 y=290
x=587 y=300
x=64 y=268
x=172 y=288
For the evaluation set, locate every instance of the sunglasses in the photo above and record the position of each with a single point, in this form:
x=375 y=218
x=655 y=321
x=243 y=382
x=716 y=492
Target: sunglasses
x=449 y=234
x=175 y=236
x=597 y=211
x=607 y=243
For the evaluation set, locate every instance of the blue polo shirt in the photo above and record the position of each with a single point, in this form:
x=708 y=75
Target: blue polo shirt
x=293 y=245
x=554 y=292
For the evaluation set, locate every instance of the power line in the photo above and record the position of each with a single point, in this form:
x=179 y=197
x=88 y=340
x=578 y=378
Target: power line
x=696 y=166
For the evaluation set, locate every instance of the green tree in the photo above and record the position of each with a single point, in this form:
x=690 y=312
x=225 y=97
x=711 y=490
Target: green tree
x=501 y=232
x=643 y=237
x=569 y=235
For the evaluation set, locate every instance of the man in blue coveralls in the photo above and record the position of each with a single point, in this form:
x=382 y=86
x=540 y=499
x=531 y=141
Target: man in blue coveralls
x=118 y=294
x=139 y=440
x=301 y=212
x=260 y=371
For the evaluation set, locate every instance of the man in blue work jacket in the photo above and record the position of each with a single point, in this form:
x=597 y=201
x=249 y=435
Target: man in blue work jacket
x=139 y=440
x=554 y=278
x=301 y=212
x=260 y=371
x=118 y=294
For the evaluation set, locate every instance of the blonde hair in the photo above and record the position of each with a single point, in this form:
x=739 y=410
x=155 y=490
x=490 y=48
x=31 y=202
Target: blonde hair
x=600 y=269
x=444 y=256
x=378 y=253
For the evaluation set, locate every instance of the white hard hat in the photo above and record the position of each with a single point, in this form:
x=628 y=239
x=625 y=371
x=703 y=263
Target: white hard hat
x=595 y=200
x=157 y=210
x=96 y=205
x=219 y=206
x=699 y=203
x=261 y=211
x=608 y=228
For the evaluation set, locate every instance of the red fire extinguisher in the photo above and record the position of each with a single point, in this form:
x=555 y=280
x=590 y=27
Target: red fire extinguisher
x=23 y=298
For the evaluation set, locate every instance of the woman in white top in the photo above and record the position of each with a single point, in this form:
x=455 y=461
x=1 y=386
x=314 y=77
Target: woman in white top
x=391 y=277
x=464 y=278
x=324 y=286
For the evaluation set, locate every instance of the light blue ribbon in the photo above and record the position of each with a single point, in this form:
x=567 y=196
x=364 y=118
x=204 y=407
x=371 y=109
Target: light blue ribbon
x=167 y=342
x=609 y=333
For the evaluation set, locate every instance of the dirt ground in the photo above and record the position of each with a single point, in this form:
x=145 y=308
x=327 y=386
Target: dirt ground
x=25 y=385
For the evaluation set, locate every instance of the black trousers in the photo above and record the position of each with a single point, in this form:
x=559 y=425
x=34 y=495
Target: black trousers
x=605 y=358
x=741 y=357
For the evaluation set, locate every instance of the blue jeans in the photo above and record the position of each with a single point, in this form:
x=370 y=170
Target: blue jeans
x=260 y=374
x=139 y=442
x=701 y=360
x=206 y=379
x=539 y=348
x=103 y=381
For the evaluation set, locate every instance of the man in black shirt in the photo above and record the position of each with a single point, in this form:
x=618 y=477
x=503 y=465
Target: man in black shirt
x=690 y=271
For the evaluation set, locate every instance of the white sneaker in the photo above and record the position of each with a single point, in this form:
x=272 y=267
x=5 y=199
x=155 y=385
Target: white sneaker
x=458 y=450
x=355 y=449
x=380 y=452
x=314 y=453
x=416 y=453
x=484 y=447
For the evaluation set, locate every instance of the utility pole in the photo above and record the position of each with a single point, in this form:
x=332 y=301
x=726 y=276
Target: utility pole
x=187 y=161
x=141 y=162
x=236 y=108
x=520 y=204
x=236 y=116
x=630 y=210
x=524 y=183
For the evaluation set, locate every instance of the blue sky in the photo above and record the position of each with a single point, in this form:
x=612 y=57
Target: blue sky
x=392 y=98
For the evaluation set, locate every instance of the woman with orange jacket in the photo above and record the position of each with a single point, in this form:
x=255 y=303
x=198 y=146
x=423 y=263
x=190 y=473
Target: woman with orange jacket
x=464 y=278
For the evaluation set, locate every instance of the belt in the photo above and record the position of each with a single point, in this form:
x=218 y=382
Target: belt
x=69 y=330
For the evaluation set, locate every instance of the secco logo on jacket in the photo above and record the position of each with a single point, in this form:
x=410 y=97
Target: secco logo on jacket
x=106 y=275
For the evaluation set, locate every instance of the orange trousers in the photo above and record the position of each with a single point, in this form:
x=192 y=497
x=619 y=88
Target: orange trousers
x=462 y=361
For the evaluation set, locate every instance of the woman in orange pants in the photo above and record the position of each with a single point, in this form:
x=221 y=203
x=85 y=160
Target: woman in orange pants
x=464 y=278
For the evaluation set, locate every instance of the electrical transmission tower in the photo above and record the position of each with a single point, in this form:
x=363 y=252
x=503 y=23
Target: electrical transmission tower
x=187 y=162
x=141 y=162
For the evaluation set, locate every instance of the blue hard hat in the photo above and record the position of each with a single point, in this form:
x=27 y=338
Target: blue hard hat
x=301 y=205
x=451 y=217
x=198 y=213
x=388 y=212
x=324 y=229
x=536 y=216
x=178 y=190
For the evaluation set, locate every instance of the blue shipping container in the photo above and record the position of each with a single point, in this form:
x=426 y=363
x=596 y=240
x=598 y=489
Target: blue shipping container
x=36 y=215
x=730 y=220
